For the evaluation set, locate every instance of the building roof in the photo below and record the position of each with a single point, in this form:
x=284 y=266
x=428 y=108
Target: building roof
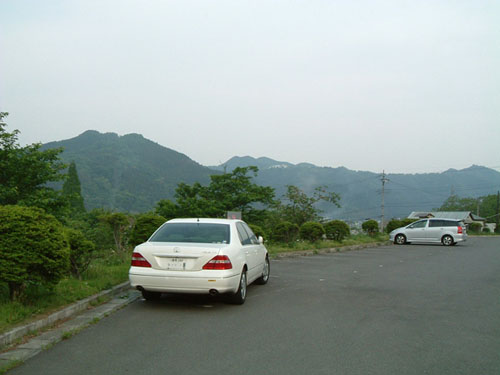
x=455 y=215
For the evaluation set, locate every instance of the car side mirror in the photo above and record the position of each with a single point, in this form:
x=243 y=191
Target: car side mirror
x=261 y=240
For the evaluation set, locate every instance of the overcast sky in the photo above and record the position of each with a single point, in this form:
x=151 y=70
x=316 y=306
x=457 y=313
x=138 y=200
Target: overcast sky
x=405 y=86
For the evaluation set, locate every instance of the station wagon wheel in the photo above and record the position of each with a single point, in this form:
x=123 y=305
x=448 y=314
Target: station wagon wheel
x=265 y=273
x=400 y=239
x=447 y=240
x=239 y=297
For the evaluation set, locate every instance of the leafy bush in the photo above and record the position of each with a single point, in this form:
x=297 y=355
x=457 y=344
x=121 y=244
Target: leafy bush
x=257 y=230
x=370 y=227
x=144 y=227
x=336 y=230
x=82 y=251
x=311 y=231
x=285 y=232
x=475 y=227
x=486 y=230
x=396 y=223
x=33 y=248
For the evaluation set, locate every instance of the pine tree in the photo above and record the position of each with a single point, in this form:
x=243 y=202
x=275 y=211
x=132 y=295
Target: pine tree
x=73 y=190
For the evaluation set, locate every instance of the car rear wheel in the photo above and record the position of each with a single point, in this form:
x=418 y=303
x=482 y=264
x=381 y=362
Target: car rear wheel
x=150 y=296
x=241 y=294
x=447 y=240
x=265 y=273
x=400 y=239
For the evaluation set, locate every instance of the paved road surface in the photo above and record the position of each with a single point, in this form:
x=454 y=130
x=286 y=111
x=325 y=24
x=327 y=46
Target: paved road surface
x=389 y=310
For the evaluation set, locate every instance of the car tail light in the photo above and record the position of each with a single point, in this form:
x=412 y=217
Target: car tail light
x=139 y=261
x=460 y=230
x=218 y=262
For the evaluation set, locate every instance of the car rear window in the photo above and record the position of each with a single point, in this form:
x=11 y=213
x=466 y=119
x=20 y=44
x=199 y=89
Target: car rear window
x=192 y=233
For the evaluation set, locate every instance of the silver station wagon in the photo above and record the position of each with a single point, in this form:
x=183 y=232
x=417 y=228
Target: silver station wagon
x=435 y=230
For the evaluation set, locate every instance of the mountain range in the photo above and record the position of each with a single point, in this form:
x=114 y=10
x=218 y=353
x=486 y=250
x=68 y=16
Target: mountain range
x=131 y=173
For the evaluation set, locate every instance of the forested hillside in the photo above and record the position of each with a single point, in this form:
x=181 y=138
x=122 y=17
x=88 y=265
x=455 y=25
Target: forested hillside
x=127 y=173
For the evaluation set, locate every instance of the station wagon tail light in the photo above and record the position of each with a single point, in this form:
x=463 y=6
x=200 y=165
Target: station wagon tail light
x=460 y=230
x=139 y=261
x=218 y=262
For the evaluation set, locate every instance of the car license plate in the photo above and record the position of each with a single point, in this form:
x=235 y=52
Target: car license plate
x=176 y=264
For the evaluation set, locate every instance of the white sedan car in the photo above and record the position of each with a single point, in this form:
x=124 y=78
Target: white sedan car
x=212 y=256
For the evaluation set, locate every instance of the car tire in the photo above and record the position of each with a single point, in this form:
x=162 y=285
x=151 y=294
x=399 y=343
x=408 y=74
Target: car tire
x=400 y=239
x=265 y=273
x=240 y=296
x=151 y=296
x=447 y=240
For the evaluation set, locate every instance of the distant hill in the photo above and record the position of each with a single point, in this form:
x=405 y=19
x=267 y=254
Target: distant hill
x=127 y=173
x=131 y=173
x=361 y=191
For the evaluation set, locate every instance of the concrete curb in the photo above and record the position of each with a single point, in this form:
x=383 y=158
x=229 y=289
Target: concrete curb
x=18 y=332
x=291 y=254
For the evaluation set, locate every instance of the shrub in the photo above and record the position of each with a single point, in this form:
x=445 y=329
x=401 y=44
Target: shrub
x=370 y=227
x=144 y=227
x=285 y=232
x=33 y=248
x=81 y=252
x=475 y=227
x=311 y=231
x=396 y=223
x=486 y=230
x=257 y=230
x=336 y=230
x=497 y=229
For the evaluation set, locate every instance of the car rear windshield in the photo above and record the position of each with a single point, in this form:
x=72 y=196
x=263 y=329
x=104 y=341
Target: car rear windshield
x=193 y=233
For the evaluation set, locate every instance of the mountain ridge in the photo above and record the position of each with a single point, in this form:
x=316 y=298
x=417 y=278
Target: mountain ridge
x=131 y=173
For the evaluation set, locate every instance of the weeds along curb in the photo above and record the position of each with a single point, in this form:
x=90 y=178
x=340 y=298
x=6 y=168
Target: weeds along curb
x=300 y=253
x=9 y=337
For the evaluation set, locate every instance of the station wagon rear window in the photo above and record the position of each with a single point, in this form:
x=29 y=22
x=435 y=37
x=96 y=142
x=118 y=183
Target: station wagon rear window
x=192 y=233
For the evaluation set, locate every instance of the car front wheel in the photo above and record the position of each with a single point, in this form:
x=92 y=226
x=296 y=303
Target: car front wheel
x=447 y=240
x=400 y=239
x=265 y=273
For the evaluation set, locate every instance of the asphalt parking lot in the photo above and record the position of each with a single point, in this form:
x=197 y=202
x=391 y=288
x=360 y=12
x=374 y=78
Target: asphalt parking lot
x=412 y=309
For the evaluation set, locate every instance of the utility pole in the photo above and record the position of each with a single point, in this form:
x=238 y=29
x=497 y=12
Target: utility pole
x=498 y=208
x=384 y=180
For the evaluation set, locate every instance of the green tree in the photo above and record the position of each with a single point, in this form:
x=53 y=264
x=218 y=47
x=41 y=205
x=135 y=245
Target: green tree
x=119 y=224
x=82 y=252
x=33 y=248
x=455 y=203
x=285 y=231
x=370 y=227
x=232 y=191
x=72 y=190
x=299 y=208
x=144 y=227
x=311 y=231
x=167 y=209
x=337 y=230
x=25 y=172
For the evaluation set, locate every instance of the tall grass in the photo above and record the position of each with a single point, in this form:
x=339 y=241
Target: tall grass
x=39 y=300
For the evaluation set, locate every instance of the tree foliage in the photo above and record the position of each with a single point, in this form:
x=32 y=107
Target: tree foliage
x=232 y=191
x=396 y=223
x=33 y=248
x=25 y=171
x=72 y=190
x=119 y=224
x=337 y=230
x=144 y=227
x=299 y=208
x=285 y=231
x=370 y=227
x=82 y=252
x=311 y=231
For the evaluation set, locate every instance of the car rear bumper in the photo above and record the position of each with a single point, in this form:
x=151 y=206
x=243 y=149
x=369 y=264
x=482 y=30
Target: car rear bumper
x=201 y=282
